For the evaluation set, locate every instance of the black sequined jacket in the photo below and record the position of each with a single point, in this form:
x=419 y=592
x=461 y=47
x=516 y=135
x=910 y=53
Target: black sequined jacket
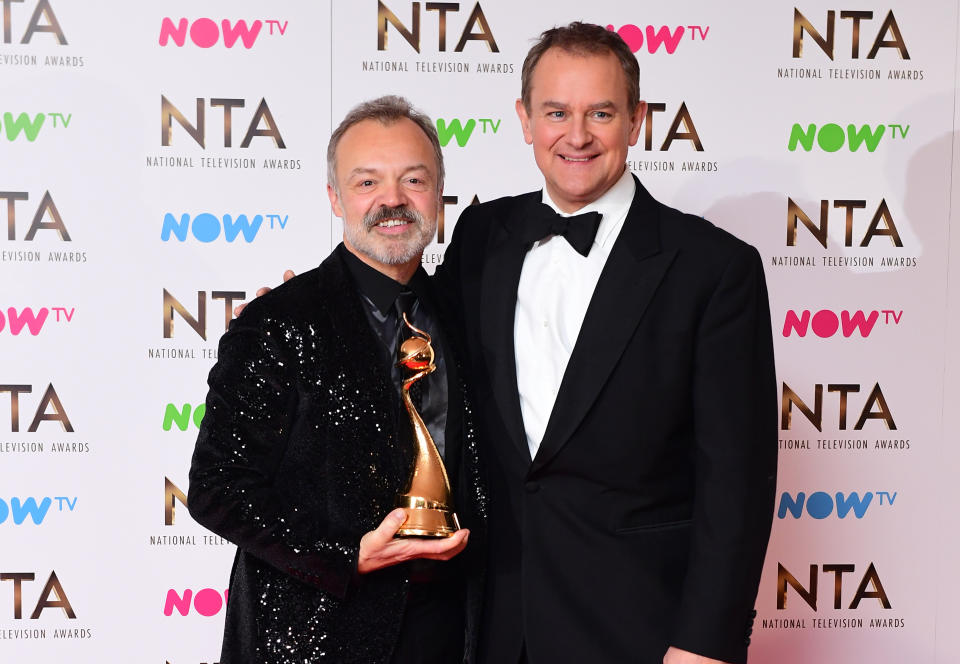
x=298 y=456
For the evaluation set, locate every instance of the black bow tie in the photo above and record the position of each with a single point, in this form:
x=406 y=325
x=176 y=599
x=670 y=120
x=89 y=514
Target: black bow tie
x=579 y=230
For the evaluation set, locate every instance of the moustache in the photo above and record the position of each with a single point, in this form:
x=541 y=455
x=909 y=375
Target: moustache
x=384 y=213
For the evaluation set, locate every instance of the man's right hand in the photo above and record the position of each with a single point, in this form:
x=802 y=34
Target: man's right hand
x=287 y=276
x=379 y=548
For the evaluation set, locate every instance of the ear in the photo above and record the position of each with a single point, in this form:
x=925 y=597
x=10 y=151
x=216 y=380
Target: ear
x=636 y=121
x=524 y=121
x=334 y=201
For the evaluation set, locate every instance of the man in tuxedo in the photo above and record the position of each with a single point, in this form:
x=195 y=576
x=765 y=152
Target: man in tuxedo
x=304 y=446
x=623 y=361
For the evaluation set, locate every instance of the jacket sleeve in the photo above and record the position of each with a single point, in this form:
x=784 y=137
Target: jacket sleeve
x=243 y=438
x=734 y=393
x=447 y=277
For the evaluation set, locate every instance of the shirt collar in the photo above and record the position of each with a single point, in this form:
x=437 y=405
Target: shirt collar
x=613 y=205
x=377 y=287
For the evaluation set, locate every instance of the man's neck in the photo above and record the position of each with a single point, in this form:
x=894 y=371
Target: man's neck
x=401 y=272
x=571 y=207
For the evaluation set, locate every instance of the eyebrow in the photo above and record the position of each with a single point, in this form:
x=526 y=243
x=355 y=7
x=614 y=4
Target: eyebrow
x=366 y=170
x=592 y=107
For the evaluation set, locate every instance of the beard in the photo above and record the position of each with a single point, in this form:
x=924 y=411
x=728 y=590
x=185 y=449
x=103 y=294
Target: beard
x=391 y=250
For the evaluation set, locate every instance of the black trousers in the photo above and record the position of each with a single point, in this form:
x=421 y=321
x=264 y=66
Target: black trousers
x=433 y=624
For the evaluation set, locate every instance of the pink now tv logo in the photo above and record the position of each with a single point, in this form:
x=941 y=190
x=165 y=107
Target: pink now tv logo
x=34 y=322
x=207 y=601
x=826 y=323
x=656 y=36
x=206 y=32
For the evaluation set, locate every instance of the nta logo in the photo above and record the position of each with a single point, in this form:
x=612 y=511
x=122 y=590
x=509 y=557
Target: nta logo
x=47 y=208
x=831 y=137
x=875 y=400
x=207 y=602
x=882 y=215
x=462 y=131
x=197 y=129
x=826 y=323
x=14 y=126
x=205 y=32
x=441 y=221
x=48 y=400
x=889 y=26
x=821 y=504
x=34 y=322
x=198 y=324
x=51 y=587
x=171 y=494
x=674 y=133
x=20 y=509
x=412 y=34
x=207 y=227
x=44 y=11
x=809 y=594
x=655 y=37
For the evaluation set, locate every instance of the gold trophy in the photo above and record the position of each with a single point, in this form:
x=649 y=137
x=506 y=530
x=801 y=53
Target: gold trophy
x=426 y=498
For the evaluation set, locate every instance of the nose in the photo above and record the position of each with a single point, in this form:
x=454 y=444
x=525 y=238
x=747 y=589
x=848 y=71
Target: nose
x=578 y=134
x=393 y=195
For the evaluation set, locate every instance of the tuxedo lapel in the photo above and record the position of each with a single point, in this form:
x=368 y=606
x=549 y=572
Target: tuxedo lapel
x=629 y=279
x=498 y=303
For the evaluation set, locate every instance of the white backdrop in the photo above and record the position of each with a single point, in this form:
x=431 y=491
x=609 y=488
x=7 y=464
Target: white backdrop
x=138 y=207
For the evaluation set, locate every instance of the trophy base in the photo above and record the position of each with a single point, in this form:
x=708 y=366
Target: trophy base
x=438 y=521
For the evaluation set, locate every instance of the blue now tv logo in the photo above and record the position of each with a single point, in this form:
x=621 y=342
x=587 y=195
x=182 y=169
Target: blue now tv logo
x=207 y=227
x=20 y=508
x=821 y=504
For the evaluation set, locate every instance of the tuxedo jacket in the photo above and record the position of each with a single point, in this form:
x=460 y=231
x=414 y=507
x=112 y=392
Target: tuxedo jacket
x=300 y=454
x=643 y=519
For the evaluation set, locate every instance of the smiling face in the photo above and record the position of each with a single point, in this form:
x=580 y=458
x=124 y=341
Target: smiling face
x=387 y=194
x=580 y=125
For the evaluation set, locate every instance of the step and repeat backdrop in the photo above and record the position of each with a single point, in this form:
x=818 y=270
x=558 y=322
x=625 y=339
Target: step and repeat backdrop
x=160 y=161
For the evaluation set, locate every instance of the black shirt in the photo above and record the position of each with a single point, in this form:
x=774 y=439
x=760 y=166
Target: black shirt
x=379 y=293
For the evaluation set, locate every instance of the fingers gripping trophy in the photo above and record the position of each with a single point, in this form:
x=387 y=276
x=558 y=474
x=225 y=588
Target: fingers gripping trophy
x=426 y=498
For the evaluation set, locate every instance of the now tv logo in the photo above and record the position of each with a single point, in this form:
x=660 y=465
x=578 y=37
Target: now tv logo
x=207 y=602
x=655 y=37
x=34 y=322
x=206 y=32
x=826 y=323
x=20 y=509
x=30 y=128
x=206 y=227
x=831 y=137
x=462 y=131
x=182 y=417
x=821 y=504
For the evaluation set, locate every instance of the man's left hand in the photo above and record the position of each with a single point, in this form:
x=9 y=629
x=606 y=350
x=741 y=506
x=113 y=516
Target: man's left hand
x=677 y=656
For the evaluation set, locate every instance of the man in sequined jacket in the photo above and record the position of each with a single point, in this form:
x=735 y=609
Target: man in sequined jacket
x=304 y=445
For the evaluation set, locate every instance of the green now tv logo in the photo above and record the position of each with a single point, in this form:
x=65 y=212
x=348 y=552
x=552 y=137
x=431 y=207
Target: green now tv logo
x=182 y=416
x=13 y=126
x=831 y=137
x=462 y=131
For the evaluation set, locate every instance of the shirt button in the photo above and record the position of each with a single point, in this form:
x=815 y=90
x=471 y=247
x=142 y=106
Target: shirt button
x=546 y=323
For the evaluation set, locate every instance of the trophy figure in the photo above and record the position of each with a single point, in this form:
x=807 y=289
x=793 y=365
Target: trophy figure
x=426 y=498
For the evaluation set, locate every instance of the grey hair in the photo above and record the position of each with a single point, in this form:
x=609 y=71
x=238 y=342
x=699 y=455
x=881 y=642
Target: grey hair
x=386 y=110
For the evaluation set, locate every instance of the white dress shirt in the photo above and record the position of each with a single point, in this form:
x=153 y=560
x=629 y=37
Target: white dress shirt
x=556 y=285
